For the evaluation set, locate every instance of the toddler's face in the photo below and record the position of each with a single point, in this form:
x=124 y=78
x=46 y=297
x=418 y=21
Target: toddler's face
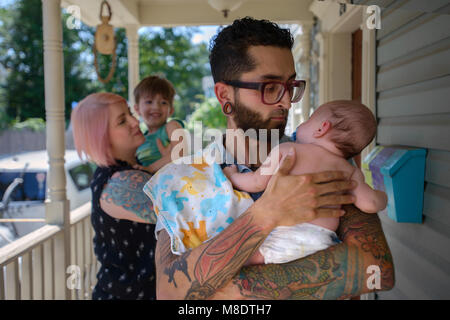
x=154 y=110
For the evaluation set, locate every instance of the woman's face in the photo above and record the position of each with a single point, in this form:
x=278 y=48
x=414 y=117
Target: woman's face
x=124 y=132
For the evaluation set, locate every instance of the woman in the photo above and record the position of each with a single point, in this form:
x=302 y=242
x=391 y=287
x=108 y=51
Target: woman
x=108 y=134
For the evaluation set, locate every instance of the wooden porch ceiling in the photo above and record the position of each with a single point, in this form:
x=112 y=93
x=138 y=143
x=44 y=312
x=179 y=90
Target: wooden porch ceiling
x=170 y=13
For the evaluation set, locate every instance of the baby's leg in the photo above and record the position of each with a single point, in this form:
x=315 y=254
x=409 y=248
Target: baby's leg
x=256 y=258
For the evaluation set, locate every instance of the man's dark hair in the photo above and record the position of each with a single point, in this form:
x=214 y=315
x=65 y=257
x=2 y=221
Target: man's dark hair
x=229 y=56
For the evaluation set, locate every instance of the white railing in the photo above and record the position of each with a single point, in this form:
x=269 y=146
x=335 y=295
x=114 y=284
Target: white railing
x=51 y=263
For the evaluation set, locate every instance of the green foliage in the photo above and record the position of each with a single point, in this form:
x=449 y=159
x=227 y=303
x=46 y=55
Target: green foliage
x=169 y=52
x=209 y=113
x=22 y=45
x=34 y=124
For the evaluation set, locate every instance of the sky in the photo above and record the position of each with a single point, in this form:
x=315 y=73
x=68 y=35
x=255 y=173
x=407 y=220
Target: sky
x=207 y=32
x=204 y=35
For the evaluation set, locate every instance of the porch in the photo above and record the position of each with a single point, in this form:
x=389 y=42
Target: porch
x=57 y=261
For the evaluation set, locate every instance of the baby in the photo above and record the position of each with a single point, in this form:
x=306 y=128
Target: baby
x=154 y=103
x=336 y=132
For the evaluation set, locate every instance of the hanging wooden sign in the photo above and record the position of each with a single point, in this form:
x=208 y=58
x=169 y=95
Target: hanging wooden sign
x=105 y=42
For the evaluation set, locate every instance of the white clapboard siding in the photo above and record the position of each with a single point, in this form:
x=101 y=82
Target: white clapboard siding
x=413 y=109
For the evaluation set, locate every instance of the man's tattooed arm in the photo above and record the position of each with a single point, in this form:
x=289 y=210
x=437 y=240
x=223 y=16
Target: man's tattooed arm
x=338 y=272
x=123 y=197
x=199 y=273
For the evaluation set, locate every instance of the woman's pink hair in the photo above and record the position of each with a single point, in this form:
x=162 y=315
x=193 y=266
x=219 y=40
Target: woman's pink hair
x=90 y=127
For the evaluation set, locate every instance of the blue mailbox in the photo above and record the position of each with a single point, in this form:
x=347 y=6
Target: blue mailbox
x=400 y=172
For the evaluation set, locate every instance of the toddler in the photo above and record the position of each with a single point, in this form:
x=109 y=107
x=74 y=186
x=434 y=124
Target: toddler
x=154 y=103
x=336 y=132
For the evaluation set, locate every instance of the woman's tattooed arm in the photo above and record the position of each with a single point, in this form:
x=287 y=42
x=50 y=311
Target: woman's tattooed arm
x=123 y=197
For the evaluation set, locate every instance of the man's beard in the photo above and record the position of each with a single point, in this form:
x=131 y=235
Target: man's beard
x=246 y=119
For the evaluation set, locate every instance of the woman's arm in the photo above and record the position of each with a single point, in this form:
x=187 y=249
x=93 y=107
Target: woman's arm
x=123 y=197
x=339 y=272
x=201 y=272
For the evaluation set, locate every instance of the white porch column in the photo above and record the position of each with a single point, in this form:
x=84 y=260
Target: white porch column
x=57 y=210
x=368 y=75
x=335 y=65
x=133 y=60
x=58 y=205
x=305 y=62
x=301 y=53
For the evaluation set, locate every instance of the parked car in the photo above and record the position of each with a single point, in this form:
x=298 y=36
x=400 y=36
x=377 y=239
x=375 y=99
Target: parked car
x=23 y=187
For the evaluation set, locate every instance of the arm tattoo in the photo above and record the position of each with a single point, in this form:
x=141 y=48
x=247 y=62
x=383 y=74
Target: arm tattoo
x=224 y=256
x=365 y=230
x=219 y=260
x=338 y=272
x=125 y=189
x=171 y=262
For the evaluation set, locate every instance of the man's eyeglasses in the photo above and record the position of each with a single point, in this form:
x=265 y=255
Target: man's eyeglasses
x=273 y=91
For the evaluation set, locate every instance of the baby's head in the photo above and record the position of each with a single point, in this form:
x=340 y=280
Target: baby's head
x=154 y=101
x=349 y=125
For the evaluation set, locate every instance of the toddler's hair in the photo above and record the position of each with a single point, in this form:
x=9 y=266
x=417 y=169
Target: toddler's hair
x=353 y=126
x=153 y=85
x=90 y=127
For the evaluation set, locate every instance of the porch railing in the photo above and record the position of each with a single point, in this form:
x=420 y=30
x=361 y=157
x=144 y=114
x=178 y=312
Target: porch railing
x=33 y=267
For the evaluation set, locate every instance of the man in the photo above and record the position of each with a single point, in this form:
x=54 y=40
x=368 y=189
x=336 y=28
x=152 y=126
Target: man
x=245 y=57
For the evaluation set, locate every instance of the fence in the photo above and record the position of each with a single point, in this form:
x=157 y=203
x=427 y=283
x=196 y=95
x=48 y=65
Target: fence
x=33 y=267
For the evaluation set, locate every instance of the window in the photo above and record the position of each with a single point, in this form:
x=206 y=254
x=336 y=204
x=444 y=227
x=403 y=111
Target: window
x=82 y=175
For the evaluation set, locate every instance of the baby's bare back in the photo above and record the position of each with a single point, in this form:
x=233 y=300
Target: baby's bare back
x=311 y=158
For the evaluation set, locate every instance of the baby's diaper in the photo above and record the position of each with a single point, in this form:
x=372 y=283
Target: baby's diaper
x=194 y=202
x=286 y=244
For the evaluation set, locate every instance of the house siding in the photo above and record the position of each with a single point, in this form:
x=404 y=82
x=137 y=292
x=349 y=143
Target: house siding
x=413 y=109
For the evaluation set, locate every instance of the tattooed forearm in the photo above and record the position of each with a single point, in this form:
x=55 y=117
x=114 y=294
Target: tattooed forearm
x=224 y=256
x=364 y=231
x=200 y=272
x=125 y=189
x=338 y=272
x=317 y=276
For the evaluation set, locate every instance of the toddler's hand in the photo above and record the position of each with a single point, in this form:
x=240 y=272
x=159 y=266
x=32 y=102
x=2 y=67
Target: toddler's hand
x=165 y=151
x=230 y=170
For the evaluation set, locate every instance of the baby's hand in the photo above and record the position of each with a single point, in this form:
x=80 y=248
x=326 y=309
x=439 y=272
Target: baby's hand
x=230 y=170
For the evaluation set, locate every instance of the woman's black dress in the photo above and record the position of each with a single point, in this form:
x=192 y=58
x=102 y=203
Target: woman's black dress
x=125 y=249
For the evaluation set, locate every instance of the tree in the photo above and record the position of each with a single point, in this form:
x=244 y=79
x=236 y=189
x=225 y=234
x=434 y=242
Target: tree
x=209 y=113
x=169 y=52
x=22 y=42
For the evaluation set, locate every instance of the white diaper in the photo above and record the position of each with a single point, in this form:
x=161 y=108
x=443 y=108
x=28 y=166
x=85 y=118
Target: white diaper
x=286 y=244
